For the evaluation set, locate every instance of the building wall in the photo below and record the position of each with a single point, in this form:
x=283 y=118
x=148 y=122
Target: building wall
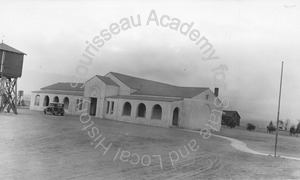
x=41 y=102
x=193 y=113
x=118 y=115
x=227 y=119
x=95 y=88
x=238 y=119
x=197 y=112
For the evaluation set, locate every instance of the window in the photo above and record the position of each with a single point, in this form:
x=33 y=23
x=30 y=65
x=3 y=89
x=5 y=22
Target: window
x=37 y=100
x=141 y=110
x=156 y=112
x=112 y=107
x=107 y=107
x=127 y=109
x=79 y=103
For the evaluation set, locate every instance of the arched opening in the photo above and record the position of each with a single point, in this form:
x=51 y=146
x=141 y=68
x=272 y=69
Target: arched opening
x=66 y=103
x=127 y=109
x=56 y=99
x=141 y=110
x=156 y=112
x=37 y=100
x=46 y=101
x=175 y=117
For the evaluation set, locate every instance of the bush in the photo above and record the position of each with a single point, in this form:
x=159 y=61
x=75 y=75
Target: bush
x=292 y=130
x=250 y=127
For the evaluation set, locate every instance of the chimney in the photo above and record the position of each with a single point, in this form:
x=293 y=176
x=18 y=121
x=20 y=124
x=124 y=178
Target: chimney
x=216 y=92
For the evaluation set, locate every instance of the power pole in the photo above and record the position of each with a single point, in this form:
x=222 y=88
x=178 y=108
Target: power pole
x=278 y=110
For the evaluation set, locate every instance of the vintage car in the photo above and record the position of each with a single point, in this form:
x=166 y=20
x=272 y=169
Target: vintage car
x=55 y=109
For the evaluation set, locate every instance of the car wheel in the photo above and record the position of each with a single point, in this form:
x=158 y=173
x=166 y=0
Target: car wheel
x=62 y=114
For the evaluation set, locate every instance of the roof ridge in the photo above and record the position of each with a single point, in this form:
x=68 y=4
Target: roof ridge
x=151 y=87
x=154 y=81
x=141 y=79
x=107 y=80
x=99 y=75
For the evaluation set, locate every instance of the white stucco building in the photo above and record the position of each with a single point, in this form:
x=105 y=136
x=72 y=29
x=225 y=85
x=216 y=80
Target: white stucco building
x=130 y=99
x=59 y=92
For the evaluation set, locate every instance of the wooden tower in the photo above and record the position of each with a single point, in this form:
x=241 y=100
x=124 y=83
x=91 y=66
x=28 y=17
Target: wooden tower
x=11 y=65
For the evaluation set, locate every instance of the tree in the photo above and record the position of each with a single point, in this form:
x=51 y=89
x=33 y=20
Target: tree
x=280 y=124
x=287 y=122
x=271 y=128
x=271 y=123
x=292 y=130
x=250 y=127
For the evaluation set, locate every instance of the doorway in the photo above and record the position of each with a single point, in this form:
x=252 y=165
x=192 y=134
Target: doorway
x=93 y=106
x=175 y=117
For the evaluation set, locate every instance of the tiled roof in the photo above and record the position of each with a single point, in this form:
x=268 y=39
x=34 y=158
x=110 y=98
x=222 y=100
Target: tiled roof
x=107 y=81
x=6 y=47
x=147 y=98
x=154 y=88
x=64 y=87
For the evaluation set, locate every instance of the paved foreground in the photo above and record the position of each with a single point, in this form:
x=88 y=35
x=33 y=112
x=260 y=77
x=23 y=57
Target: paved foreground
x=38 y=146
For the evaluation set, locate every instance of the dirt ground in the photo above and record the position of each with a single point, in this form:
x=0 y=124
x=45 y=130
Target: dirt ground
x=265 y=142
x=38 y=146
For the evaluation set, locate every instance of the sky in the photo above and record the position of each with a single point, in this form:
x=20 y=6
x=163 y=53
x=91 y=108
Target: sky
x=250 y=39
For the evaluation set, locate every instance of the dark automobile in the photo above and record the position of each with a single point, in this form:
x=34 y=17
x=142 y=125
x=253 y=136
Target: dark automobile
x=55 y=109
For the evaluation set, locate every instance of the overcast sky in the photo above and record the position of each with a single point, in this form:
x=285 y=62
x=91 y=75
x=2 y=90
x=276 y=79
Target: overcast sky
x=251 y=38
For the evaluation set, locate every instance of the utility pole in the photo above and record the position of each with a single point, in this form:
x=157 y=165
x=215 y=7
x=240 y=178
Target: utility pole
x=278 y=110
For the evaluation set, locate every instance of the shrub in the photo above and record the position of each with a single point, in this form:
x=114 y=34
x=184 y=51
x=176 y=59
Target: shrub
x=250 y=127
x=292 y=130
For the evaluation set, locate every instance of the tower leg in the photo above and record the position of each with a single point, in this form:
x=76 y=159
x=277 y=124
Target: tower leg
x=8 y=93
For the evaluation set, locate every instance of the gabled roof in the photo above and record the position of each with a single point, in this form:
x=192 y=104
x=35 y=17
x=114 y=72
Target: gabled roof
x=107 y=81
x=64 y=87
x=229 y=113
x=6 y=47
x=154 y=88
